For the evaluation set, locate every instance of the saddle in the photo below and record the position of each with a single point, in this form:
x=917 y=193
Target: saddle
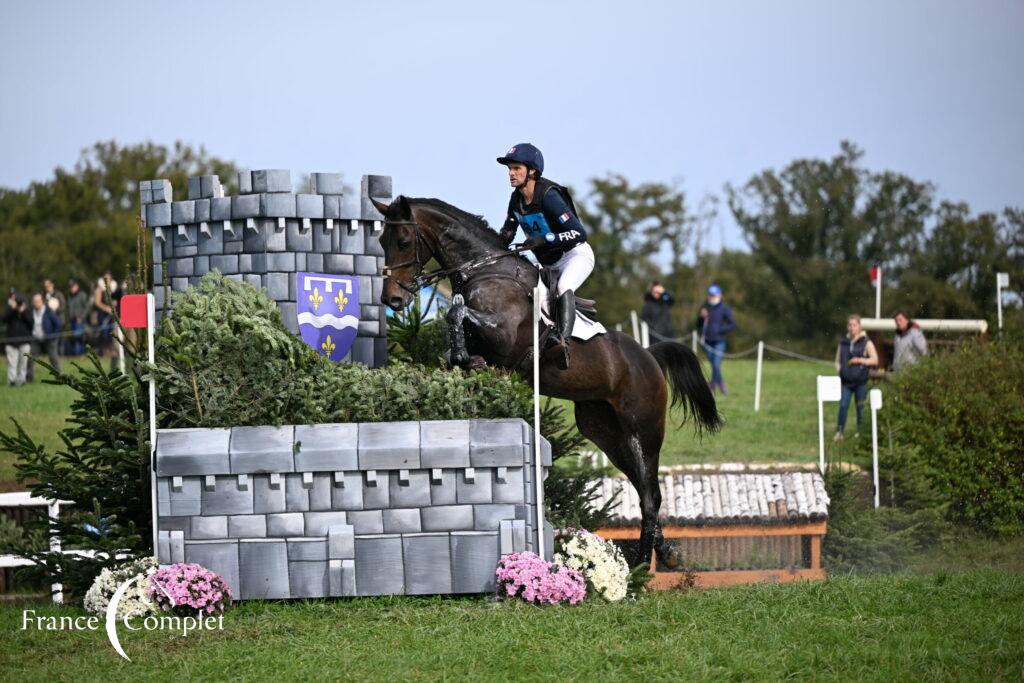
x=587 y=307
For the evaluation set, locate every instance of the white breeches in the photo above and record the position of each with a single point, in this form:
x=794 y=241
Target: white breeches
x=573 y=268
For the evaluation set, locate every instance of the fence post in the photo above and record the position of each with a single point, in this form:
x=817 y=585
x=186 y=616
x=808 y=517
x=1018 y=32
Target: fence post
x=1002 y=280
x=538 y=471
x=757 y=379
x=53 y=511
x=151 y=357
x=645 y=334
x=120 y=349
x=636 y=325
x=829 y=389
x=693 y=340
x=876 y=405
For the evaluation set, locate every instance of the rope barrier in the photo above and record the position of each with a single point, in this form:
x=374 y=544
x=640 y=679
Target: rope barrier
x=799 y=356
x=29 y=340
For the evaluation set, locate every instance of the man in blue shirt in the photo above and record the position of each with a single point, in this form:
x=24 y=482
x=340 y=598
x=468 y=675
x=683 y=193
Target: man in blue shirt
x=715 y=321
x=545 y=211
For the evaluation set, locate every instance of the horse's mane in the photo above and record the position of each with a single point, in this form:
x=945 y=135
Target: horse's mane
x=477 y=223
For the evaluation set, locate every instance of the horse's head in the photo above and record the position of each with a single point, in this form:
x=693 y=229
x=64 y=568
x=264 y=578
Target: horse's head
x=404 y=252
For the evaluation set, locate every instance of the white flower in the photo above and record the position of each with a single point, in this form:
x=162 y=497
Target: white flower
x=600 y=561
x=134 y=601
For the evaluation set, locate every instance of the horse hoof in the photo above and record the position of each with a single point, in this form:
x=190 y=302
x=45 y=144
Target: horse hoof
x=476 y=362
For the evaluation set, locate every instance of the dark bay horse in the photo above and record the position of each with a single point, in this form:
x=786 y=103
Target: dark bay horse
x=619 y=388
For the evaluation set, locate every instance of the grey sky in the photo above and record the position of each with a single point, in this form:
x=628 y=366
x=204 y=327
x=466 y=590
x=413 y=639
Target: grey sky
x=431 y=93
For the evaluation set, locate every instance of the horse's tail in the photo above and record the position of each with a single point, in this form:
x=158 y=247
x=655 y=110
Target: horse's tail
x=689 y=387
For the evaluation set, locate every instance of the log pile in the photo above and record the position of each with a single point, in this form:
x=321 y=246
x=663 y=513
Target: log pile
x=723 y=498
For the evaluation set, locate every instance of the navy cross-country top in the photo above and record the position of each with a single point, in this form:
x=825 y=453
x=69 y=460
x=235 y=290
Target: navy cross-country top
x=551 y=216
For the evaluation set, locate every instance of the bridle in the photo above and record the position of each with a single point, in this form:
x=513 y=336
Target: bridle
x=423 y=278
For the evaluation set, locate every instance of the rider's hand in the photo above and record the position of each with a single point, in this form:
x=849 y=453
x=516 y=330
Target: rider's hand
x=507 y=235
x=534 y=242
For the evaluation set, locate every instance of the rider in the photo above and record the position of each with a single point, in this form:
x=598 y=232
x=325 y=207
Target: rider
x=546 y=213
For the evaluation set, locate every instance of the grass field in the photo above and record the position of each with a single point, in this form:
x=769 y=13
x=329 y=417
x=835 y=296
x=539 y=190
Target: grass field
x=785 y=429
x=954 y=614
x=40 y=408
x=963 y=626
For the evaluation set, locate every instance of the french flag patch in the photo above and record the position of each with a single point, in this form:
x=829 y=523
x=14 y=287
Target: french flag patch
x=564 y=218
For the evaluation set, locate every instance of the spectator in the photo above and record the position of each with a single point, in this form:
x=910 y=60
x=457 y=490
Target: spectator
x=909 y=344
x=854 y=358
x=78 y=313
x=656 y=312
x=56 y=302
x=103 y=301
x=714 y=322
x=18 y=338
x=46 y=328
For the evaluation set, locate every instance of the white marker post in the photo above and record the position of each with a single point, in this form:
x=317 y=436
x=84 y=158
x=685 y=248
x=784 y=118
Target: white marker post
x=645 y=334
x=829 y=389
x=876 y=277
x=119 y=333
x=636 y=325
x=138 y=311
x=1002 y=280
x=875 y=400
x=538 y=468
x=757 y=379
x=151 y=357
x=693 y=340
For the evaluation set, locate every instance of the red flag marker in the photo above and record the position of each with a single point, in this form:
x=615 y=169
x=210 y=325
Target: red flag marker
x=874 y=273
x=133 y=311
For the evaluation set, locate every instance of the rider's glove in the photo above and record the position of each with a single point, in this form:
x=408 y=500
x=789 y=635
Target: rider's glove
x=534 y=242
x=507 y=235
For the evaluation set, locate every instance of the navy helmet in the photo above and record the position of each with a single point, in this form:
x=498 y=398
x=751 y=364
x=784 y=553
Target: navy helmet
x=526 y=154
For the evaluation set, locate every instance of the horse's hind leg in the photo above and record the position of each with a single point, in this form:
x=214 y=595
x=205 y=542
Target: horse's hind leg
x=618 y=436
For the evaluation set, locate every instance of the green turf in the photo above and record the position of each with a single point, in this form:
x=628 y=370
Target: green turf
x=784 y=430
x=883 y=628
x=39 y=408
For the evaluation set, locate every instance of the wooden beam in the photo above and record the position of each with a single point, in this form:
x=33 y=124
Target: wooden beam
x=675 y=580
x=815 y=552
x=804 y=529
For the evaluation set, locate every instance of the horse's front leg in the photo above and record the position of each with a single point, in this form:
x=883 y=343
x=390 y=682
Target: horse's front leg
x=456 y=318
x=491 y=338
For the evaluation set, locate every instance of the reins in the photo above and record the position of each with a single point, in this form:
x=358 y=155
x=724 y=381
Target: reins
x=424 y=279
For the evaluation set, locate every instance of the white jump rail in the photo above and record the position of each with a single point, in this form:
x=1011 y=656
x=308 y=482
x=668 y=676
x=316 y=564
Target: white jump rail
x=26 y=499
x=927 y=325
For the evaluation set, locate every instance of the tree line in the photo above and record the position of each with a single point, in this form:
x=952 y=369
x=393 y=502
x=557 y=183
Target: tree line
x=813 y=228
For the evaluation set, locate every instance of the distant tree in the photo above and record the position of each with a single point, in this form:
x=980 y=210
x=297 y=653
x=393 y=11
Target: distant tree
x=820 y=224
x=965 y=252
x=628 y=226
x=83 y=221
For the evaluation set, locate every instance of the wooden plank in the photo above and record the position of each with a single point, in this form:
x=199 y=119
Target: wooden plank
x=674 y=580
x=808 y=529
x=815 y=552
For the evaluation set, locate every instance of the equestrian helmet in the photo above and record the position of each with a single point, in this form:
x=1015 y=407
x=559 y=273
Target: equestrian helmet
x=526 y=154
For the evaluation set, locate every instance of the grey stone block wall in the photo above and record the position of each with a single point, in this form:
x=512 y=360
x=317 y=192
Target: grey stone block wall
x=349 y=509
x=266 y=234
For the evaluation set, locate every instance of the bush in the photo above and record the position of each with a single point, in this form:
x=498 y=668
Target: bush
x=103 y=467
x=962 y=415
x=208 y=374
x=862 y=539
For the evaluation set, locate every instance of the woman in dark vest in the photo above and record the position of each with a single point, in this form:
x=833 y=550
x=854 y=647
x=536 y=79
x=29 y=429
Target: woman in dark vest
x=855 y=357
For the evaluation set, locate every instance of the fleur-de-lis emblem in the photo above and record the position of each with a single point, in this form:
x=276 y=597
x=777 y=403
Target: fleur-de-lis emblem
x=328 y=346
x=341 y=300
x=315 y=298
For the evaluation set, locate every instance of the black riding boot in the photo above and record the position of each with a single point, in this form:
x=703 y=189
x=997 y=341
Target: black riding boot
x=566 y=320
x=566 y=313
